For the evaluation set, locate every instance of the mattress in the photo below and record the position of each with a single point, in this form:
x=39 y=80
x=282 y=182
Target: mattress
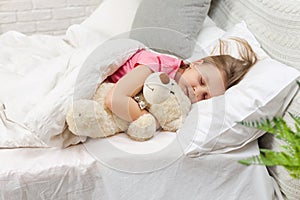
x=77 y=172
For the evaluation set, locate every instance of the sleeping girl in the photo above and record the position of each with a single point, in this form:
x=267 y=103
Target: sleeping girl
x=202 y=79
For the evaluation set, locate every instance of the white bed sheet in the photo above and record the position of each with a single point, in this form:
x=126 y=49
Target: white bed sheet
x=72 y=173
x=155 y=169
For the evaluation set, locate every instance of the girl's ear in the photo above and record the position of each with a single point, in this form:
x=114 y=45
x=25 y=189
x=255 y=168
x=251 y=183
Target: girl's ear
x=199 y=61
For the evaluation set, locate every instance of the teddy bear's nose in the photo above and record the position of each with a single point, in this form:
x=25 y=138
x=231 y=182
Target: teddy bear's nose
x=164 y=78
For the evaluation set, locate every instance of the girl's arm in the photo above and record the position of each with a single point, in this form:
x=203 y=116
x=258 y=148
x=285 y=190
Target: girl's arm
x=119 y=99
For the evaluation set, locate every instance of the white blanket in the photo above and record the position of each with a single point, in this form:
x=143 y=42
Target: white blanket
x=40 y=75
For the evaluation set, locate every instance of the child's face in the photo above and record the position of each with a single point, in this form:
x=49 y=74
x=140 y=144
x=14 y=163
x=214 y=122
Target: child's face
x=202 y=81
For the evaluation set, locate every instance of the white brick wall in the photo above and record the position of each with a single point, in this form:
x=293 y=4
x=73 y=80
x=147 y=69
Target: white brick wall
x=43 y=16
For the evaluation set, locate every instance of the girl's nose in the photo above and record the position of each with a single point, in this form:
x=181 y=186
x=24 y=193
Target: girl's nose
x=201 y=92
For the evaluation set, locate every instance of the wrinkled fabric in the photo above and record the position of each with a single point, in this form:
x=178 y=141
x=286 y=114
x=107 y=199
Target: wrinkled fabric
x=73 y=173
x=43 y=75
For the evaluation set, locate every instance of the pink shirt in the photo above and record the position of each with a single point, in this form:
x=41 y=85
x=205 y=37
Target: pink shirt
x=156 y=62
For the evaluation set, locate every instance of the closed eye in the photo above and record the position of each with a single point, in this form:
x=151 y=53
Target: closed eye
x=202 y=81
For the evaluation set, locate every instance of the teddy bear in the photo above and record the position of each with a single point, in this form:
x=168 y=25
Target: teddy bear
x=161 y=96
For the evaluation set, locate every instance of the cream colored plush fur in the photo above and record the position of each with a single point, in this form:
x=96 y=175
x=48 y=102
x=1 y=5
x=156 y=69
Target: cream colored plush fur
x=91 y=118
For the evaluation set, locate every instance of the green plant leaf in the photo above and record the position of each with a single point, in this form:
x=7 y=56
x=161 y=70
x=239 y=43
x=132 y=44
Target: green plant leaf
x=289 y=157
x=297 y=123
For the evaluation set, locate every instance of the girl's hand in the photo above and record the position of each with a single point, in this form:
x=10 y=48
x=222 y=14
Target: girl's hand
x=120 y=98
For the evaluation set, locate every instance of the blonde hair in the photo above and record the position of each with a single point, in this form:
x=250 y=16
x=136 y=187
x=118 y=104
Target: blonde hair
x=234 y=69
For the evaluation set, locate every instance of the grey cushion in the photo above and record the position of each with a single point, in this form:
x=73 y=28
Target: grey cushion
x=170 y=25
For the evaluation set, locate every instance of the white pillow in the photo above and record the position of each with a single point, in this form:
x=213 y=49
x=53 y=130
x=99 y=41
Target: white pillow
x=207 y=36
x=113 y=17
x=265 y=91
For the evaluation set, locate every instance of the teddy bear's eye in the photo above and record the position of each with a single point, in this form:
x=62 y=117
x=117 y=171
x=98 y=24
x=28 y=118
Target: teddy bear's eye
x=152 y=89
x=172 y=92
x=79 y=114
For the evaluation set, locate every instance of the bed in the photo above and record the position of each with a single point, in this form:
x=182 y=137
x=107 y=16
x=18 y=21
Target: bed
x=200 y=161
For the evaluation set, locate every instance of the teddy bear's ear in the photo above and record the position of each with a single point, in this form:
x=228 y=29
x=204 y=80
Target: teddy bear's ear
x=164 y=78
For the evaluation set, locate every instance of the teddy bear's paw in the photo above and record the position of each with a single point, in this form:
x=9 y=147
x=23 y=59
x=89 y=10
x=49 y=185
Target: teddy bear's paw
x=81 y=118
x=143 y=128
x=87 y=118
x=168 y=114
